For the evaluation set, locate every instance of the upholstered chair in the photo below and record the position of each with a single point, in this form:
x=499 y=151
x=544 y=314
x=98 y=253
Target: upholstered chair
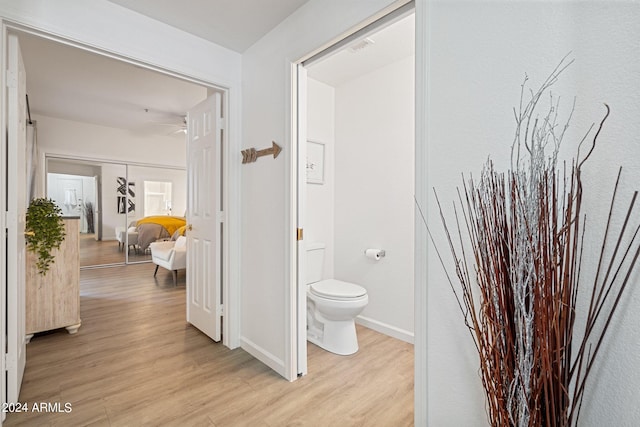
x=171 y=255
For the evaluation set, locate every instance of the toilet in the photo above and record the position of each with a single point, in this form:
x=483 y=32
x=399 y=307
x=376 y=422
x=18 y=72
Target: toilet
x=332 y=306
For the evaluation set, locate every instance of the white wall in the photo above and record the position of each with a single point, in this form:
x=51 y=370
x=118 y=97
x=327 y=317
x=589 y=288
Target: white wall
x=267 y=236
x=374 y=183
x=110 y=216
x=137 y=37
x=478 y=55
x=319 y=210
x=77 y=139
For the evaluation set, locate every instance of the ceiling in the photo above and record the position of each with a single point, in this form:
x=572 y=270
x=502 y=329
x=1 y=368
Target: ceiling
x=70 y=83
x=387 y=45
x=73 y=84
x=234 y=24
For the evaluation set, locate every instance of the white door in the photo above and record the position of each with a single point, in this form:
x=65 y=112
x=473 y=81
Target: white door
x=16 y=212
x=204 y=217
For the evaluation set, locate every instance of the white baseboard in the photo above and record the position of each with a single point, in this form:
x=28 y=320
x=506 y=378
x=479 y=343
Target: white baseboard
x=383 y=328
x=262 y=355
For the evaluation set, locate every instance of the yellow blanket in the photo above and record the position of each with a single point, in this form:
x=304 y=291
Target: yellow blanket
x=170 y=223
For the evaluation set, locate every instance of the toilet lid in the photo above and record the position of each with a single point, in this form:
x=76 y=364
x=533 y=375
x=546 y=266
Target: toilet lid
x=337 y=289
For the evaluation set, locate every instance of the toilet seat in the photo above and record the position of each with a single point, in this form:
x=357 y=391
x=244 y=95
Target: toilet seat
x=337 y=290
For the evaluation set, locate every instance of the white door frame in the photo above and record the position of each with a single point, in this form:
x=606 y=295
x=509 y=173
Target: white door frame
x=298 y=166
x=420 y=8
x=231 y=245
x=422 y=191
x=3 y=219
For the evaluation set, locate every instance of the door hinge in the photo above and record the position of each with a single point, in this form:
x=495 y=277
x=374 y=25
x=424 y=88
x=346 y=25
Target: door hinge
x=221 y=310
x=300 y=234
x=222 y=123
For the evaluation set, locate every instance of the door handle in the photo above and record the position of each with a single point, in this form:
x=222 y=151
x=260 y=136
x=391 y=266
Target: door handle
x=189 y=227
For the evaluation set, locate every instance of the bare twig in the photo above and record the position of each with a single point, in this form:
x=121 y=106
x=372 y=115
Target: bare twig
x=525 y=232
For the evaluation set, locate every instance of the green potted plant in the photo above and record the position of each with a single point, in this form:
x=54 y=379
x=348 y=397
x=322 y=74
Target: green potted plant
x=44 y=231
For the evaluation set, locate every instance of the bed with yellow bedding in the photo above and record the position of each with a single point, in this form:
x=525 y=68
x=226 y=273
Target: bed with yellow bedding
x=152 y=228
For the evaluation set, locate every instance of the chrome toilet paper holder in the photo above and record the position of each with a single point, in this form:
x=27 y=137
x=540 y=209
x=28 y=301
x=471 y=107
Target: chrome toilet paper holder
x=379 y=253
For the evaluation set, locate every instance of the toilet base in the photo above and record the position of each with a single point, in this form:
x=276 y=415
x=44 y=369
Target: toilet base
x=338 y=337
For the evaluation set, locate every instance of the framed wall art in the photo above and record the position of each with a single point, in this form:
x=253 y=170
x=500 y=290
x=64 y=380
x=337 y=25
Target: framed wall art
x=315 y=162
x=126 y=204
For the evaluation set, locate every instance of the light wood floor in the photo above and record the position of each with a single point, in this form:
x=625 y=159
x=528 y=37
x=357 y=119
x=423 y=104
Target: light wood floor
x=135 y=361
x=93 y=252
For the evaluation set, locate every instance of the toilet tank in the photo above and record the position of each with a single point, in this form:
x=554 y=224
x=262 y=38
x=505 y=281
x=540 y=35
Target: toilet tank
x=314 y=262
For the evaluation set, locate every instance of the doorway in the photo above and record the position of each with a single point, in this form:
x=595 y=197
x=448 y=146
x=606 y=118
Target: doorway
x=356 y=128
x=63 y=150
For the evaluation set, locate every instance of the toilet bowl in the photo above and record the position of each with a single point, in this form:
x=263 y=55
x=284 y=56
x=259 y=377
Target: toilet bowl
x=332 y=306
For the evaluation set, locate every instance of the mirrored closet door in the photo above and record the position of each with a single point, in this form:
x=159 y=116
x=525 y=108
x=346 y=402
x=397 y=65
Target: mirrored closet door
x=111 y=199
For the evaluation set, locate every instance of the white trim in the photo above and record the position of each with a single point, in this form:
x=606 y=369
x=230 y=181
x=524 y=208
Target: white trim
x=263 y=356
x=3 y=220
x=24 y=28
x=290 y=221
x=232 y=209
x=421 y=195
x=386 y=329
x=299 y=88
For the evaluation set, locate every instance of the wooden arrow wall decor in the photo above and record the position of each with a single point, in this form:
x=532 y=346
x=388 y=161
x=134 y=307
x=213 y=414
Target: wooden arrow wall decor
x=250 y=155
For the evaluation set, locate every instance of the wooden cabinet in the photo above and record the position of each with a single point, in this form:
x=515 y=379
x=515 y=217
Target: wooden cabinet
x=53 y=300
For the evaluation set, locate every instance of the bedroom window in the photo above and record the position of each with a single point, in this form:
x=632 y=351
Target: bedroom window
x=157 y=198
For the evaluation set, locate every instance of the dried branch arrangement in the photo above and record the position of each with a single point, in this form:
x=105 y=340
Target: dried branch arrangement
x=518 y=242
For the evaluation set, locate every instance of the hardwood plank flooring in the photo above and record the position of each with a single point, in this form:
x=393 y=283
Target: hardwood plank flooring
x=93 y=252
x=135 y=361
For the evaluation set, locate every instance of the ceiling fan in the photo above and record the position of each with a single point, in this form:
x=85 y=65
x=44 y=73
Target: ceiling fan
x=176 y=121
x=182 y=128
